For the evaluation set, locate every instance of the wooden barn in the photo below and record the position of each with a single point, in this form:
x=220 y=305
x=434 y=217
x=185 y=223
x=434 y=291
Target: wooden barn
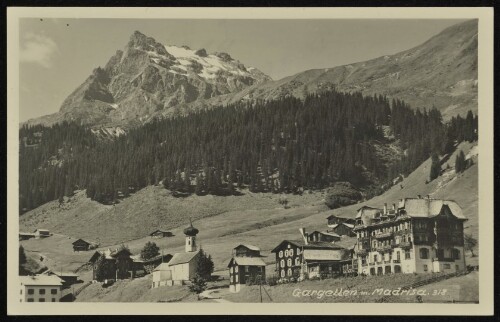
x=246 y=250
x=41 y=233
x=160 y=233
x=245 y=271
x=81 y=245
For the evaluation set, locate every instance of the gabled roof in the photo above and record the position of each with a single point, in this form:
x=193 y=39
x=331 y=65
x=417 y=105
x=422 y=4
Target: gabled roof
x=182 y=258
x=42 y=280
x=426 y=207
x=338 y=216
x=41 y=230
x=26 y=234
x=296 y=243
x=325 y=233
x=247 y=261
x=160 y=231
x=251 y=247
x=84 y=241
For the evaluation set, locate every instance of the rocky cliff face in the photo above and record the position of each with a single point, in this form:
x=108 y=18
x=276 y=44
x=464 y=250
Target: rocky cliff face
x=147 y=79
x=442 y=72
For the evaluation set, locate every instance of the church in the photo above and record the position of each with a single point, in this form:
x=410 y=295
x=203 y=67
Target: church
x=182 y=267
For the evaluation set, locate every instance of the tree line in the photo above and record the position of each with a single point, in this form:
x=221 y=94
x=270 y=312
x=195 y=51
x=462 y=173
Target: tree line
x=286 y=145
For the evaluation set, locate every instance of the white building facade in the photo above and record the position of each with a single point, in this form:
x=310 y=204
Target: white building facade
x=40 y=288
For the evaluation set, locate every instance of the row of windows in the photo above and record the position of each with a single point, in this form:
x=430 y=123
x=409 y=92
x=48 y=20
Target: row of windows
x=235 y=269
x=40 y=291
x=39 y=300
x=424 y=253
x=289 y=262
x=288 y=272
x=288 y=253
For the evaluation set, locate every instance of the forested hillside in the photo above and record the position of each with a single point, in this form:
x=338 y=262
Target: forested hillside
x=286 y=145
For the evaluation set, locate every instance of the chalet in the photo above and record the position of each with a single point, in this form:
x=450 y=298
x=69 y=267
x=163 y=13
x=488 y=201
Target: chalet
x=40 y=288
x=159 y=233
x=342 y=229
x=246 y=250
x=83 y=245
x=335 y=220
x=118 y=262
x=322 y=236
x=245 y=270
x=182 y=266
x=25 y=236
x=147 y=265
x=420 y=235
x=301 y=259
x=42 y=233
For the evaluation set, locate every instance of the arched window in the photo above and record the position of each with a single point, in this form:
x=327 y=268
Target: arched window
x=282 y=263
x=286 y=253
x=280 y=254
x=282 y=273
x=424 y=253
x=289 y=272
x=289 y=262
x=290 y=252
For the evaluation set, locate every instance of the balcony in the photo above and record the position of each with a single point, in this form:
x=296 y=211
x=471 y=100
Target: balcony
x=385 y=235
x=405 y=245
x=396 y=261
x=384 y=249
x=442 y=259
x=387 y=262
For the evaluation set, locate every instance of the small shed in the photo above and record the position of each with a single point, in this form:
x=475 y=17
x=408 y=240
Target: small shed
x=68 y=278
x=42 y=233
x=83 y=245
x=343 y=229
x=322 y=236
x=160 y=233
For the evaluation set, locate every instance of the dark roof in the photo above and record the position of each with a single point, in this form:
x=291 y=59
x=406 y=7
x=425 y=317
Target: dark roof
x=251 y=247
x=247 y=261
x=426 y=207
x=160 y=231
x=296 y=243
x=84 y=241
x=191 y=231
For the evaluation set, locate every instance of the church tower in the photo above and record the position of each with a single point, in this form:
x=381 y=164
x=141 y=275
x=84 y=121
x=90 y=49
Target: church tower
x=191 y=233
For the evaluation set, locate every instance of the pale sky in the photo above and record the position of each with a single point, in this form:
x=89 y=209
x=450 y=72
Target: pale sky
x=57 y=55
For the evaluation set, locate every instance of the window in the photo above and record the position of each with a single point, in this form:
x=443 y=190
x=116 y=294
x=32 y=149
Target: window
x=286 y=253
x=289 y=272
x=21 y=292
x=247 y=269
x=440 y=253
x=282 y=263
x=375 y=258
x=236 y=269
x=289 y=262
x=280 y=254
x=407 y=254
x=297 y=261
x=31 y=291
x=53 y=299
x=447 y=266
x=41 y=291
x=282 y=273
x=398 y=255
x=53 y=291
x=425 y=268
x=236 y=278
x=31 y=300
x=298 y=251
x=456 y=253
x=424 y=253
x=290 y=252
x=41 y=300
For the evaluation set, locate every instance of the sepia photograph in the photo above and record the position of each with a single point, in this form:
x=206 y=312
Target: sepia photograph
x=187 y=160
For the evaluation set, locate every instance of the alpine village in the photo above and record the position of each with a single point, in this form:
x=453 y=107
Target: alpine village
x=177 y=175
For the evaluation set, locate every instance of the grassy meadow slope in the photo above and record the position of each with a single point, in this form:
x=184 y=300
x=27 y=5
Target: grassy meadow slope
x=224 y=222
